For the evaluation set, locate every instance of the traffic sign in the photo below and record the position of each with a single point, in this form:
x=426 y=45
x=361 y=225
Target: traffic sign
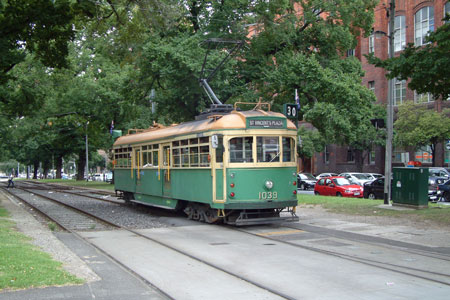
x=447 y=146
x=291 y=111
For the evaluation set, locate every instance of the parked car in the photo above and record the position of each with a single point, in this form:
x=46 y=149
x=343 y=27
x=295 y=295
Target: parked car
x=306 y=181
x=444 y=191
x=337 y=186
x=4 y=178
x=373 y=175
x=323 y=175
x=109 y=177
x=374 y=189
x=439 y=172
x=356 y=178
x=433 y=182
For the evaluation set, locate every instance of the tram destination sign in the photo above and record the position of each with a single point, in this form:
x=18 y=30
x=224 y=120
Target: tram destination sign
x=266 y=123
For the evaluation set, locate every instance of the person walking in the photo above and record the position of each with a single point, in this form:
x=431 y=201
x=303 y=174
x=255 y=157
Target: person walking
x=11 y=181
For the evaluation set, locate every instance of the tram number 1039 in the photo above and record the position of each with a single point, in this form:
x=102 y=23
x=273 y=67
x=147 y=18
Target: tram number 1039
x=268 y=195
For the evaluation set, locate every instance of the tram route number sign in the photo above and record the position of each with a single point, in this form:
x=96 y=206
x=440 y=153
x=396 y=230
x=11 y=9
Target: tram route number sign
x=291 y=111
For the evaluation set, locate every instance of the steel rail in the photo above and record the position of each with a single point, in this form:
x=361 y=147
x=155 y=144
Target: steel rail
x=87 y=241
x=369 y=262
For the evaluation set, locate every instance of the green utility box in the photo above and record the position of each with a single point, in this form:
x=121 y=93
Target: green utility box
x=410 y=187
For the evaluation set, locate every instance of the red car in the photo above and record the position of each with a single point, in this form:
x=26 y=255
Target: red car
x=337 y=186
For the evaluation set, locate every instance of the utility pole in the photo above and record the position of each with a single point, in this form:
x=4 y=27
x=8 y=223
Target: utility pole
x=390 y=111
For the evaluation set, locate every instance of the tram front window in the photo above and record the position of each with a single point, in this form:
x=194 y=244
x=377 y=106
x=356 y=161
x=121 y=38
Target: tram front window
x=241 y=149
x=268 y=149
x=288 y=149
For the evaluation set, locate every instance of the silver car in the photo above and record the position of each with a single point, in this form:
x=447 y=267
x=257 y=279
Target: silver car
x=357 y=178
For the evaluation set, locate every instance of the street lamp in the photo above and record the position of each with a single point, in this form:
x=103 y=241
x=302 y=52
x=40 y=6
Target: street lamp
x=390 y=109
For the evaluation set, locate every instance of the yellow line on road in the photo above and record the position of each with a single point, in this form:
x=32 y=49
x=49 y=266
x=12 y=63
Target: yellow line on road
x=280 y=232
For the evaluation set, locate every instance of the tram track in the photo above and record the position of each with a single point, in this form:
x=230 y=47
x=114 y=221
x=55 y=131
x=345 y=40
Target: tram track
x=137 y=233
x=436 y=277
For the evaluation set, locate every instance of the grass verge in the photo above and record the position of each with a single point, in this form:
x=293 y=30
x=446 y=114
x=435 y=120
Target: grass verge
x=22 y=265
x=435 y=213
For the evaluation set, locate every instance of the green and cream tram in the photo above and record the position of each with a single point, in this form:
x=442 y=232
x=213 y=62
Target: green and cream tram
x=239 y=168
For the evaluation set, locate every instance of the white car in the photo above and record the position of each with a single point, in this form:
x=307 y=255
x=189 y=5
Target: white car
x=357 y=178
x=3 y=178
x=323 y=175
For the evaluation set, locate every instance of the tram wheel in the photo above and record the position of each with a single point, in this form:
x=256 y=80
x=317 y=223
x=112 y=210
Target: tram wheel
x=211 y=216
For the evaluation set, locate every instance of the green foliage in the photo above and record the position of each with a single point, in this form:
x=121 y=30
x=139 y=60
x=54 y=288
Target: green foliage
x=124 y=49
x=42 y=27
x=418 y=126
x=311 y=142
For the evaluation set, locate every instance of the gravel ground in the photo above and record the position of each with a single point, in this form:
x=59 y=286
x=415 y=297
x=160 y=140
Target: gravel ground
x=43 y=238
x=135 y=216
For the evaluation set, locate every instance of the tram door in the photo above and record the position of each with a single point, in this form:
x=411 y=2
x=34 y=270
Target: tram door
x=166 y=170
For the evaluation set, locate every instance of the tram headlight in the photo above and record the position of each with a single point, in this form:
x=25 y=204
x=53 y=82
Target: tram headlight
x=268 y=184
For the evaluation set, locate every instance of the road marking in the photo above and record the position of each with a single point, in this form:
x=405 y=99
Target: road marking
x=283 y=232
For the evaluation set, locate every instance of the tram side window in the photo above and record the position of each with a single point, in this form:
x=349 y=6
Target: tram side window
x=150 y=156
x=191 y=153
x=241 y=149
x=122 y=157
x=268 y=149
x=176 y=157
x=288 y=149
x=155 y=155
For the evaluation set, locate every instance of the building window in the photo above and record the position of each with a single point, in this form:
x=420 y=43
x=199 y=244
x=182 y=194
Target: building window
x=447 y=10
x=350 y=52
x=399 y=33
x=326 y=155
x=400 y=91
x=423 y=98
x=372 y=42
x=350 y=155
x=372 y=86
x=424 y=22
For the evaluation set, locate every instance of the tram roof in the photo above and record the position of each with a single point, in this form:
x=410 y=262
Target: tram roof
x=233 y=120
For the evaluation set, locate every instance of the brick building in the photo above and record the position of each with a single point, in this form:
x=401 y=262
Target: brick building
x=413 y=19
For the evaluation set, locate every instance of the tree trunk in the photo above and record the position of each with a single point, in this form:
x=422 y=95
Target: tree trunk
x=359 y=159
x=81 y=164
x=46 y=169
x=36 y=169
x=433 y=154
x=59 y=162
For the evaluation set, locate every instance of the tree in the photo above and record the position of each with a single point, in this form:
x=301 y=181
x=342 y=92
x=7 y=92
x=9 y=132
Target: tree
x=426 y=66
x=303 y=48
x=42 y=27
x=418 y=126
